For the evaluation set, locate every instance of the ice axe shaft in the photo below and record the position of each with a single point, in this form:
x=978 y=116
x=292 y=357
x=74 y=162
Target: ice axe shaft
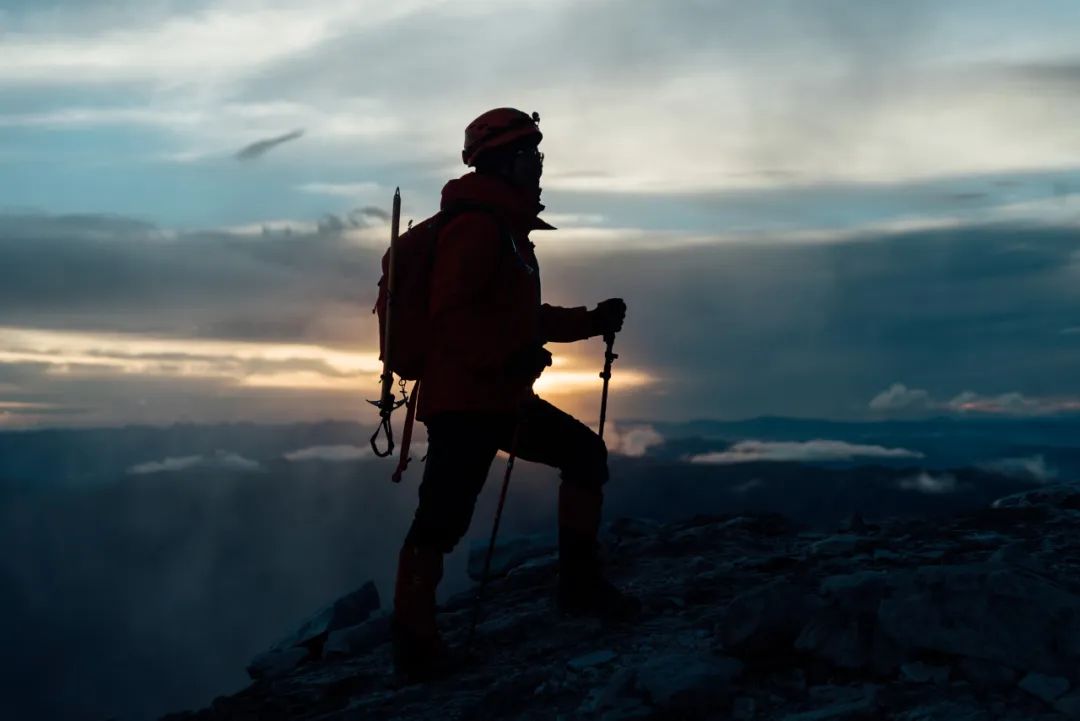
x=386 y=399
x=609 y=358
x=386 y=402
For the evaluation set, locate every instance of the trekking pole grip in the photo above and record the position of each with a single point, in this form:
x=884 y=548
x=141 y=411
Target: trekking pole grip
x=609 y=358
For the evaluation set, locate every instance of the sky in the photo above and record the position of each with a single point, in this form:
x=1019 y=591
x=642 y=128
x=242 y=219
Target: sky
x=828 y=208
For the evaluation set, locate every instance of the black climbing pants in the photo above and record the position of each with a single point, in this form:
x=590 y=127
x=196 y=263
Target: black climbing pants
x=462 y=445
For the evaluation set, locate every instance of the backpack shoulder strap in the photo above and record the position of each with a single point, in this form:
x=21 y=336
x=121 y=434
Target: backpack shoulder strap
x=508 y=242
x=447 y=214
x=506 y=236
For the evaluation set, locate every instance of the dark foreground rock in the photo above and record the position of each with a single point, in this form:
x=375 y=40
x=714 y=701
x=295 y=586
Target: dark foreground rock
x=341 y=620
x=976 y=618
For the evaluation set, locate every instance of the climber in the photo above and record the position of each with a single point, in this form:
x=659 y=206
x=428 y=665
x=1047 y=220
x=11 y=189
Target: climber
x=489 y=329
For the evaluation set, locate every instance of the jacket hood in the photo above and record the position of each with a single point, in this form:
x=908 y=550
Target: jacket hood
x=520 y=207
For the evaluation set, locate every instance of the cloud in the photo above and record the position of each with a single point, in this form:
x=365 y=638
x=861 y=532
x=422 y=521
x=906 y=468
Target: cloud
x=747 y=486
x=345 y=190
x=75 y=117
x=166 y=465
x=21 y=410
x=209 y=46
x=634 y=441
x=858 y=112
x=563 y=220
x=1031 y=467
x=899 y=397
x=1011 y=404
x=378 y=213
x=65 y=352
x=968 y=196
x=96 y=276
x=109 y=273
x=262 y=147
x=929 y=483
x=329 y=453
x=866 y=100
x=1060 y=73
x=818 y=450
x=870 y=94
x=359 y=218
x=220 y=460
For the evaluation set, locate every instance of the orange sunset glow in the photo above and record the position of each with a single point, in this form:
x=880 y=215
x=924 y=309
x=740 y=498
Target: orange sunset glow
x=313 y=376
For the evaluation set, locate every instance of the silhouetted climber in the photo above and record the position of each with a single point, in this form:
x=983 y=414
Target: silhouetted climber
x=488 y=329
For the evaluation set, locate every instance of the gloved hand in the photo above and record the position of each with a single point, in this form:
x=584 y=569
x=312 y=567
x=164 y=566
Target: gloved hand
x=527 y=363
x=607 y=317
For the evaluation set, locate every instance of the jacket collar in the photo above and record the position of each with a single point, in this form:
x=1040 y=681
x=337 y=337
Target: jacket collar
x=520 y=208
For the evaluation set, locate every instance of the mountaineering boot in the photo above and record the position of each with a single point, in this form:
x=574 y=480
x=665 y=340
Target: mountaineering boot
x=583 y=590
x=419 y=652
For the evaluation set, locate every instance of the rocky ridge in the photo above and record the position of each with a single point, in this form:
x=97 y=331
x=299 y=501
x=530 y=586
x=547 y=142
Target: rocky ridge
x=746 y=617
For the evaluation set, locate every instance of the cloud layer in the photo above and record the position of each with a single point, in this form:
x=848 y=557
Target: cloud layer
x=899 y=399
x=633 y=441
x=924 y=482
x=139 y=321
x=735 y=106
x=819 y=450
x=339 y=453
x=1033 y=468
x=224 y=460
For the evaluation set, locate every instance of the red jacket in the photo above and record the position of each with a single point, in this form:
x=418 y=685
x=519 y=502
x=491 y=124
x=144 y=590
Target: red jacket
x=485 y=301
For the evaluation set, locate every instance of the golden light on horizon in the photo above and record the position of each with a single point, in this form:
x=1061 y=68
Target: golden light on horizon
x=87 y=353
x=567 y=382
x=310 y=380
x=303 y=368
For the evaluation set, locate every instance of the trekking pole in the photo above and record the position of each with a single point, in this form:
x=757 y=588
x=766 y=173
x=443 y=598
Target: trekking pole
x=494 y=531
x=609 y=358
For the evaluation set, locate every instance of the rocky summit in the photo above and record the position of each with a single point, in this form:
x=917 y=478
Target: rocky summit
x=972 y=618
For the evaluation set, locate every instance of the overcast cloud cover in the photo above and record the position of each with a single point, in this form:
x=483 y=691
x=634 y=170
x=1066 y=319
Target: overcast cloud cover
x=828 y=208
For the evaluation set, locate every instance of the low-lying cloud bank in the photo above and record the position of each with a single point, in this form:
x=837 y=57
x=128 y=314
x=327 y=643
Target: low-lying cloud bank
x=329 y=453
x=634 y=441
x=1032 y=467
x=800 y=451
x=902 y=399
x=221 y=460
x=929 y=483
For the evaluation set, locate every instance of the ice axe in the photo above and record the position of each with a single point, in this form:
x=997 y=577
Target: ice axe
x=386 y=403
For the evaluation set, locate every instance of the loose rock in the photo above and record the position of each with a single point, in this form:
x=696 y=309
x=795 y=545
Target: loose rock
x=687 y=681
x=1048 y=688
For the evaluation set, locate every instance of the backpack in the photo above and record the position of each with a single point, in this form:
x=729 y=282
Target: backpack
x=414 y=260
x=414 y=257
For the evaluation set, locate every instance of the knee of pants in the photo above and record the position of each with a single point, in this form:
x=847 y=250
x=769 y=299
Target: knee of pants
x=443 y=528
x=588 y=465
